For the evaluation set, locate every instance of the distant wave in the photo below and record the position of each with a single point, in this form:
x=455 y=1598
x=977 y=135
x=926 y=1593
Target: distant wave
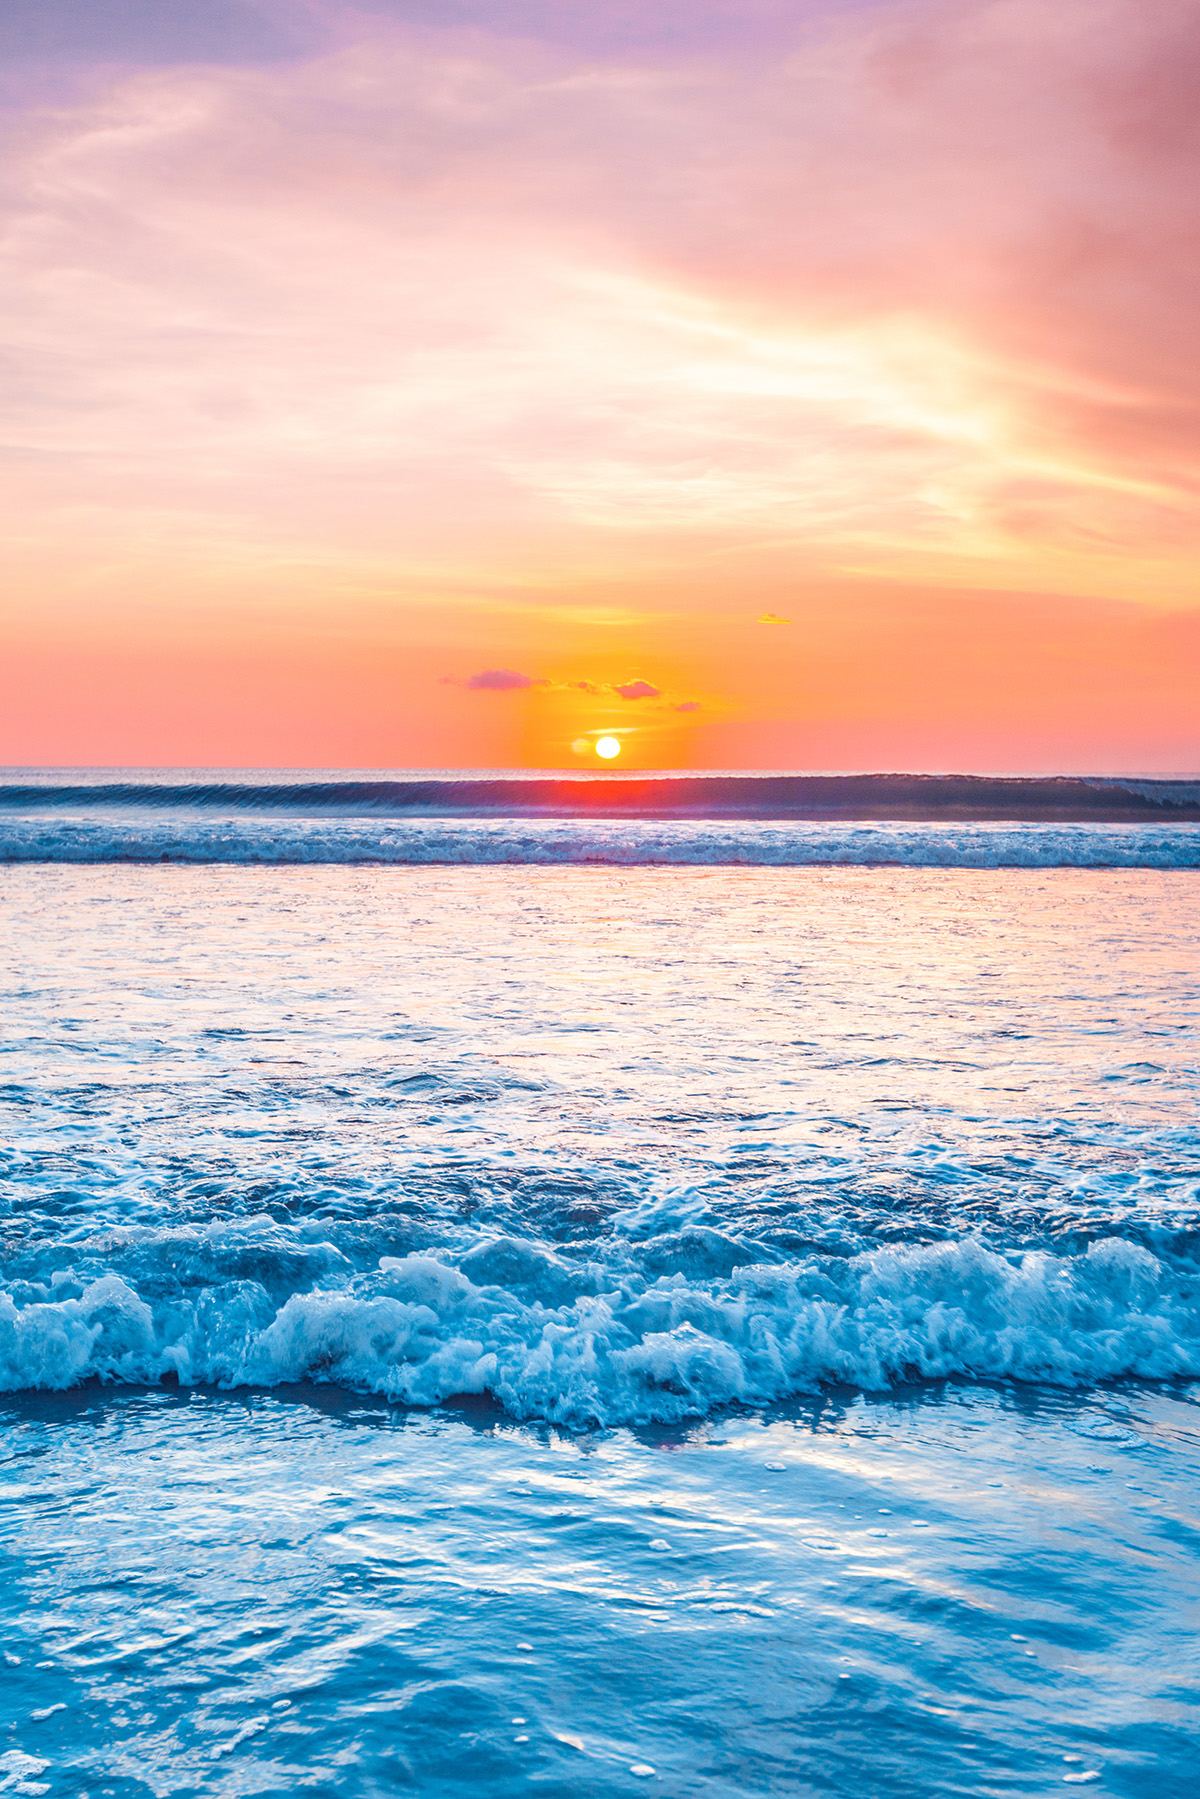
x=1059 y=798
x=598 y=1342
x=111 y=836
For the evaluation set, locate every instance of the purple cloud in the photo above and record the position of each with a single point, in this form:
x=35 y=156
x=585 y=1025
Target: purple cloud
x=499 y=680
x=637 y=690
x=688 y=706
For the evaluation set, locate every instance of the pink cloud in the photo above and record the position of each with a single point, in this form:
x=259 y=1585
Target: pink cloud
x=637 y=690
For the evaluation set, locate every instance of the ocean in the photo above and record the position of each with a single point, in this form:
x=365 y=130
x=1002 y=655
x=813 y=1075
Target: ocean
x=581 y=1287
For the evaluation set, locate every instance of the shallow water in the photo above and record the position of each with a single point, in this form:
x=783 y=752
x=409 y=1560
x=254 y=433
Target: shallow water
x=888 y=1177
x=954 y=1593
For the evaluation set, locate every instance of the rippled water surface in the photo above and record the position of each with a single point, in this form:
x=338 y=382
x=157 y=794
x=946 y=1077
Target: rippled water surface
x=489 y=1330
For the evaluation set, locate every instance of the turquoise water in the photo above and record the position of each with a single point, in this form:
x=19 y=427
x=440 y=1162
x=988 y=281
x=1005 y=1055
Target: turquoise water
x=707 y=1331
x=964 y=1591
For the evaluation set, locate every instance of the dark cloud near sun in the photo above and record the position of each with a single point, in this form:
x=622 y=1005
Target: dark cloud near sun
x=494 y=680
x=500 y=680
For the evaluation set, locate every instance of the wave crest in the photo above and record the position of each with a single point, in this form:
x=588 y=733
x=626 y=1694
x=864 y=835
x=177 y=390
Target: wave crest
x=709 y=795
x=586 y=1344
x=623 y=843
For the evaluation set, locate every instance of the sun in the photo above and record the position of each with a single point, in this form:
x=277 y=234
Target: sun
x=608 y=747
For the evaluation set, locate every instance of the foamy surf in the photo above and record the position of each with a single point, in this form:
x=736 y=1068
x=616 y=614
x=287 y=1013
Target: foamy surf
x=596 y=1343
x=202 y=838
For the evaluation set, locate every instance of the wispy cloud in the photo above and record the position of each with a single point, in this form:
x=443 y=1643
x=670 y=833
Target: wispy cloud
x=918 y=290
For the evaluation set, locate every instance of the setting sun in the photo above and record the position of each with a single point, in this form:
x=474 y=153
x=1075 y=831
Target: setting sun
x=608 y=747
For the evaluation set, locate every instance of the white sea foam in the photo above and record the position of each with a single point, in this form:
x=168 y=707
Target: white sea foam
x=197 y=837
x=19 y=1770
x=601 y=1344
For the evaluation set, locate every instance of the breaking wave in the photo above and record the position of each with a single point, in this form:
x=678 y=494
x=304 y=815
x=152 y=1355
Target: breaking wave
x=1049 y=798
x=770 y=820
x=200 y=837
x=585 y=1343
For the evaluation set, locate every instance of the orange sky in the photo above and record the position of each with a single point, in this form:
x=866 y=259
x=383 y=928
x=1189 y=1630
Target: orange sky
x=351 y=368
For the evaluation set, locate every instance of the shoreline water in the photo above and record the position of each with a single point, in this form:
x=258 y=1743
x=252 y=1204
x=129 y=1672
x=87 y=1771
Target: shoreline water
x=935 y=1595
x=654 y=1147
x=540 y=1192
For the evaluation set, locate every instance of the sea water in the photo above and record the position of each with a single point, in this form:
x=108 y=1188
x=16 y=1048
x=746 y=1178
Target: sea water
x=583 y=1330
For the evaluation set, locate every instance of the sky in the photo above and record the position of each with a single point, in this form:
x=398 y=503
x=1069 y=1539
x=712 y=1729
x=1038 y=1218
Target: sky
x=432 y=383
